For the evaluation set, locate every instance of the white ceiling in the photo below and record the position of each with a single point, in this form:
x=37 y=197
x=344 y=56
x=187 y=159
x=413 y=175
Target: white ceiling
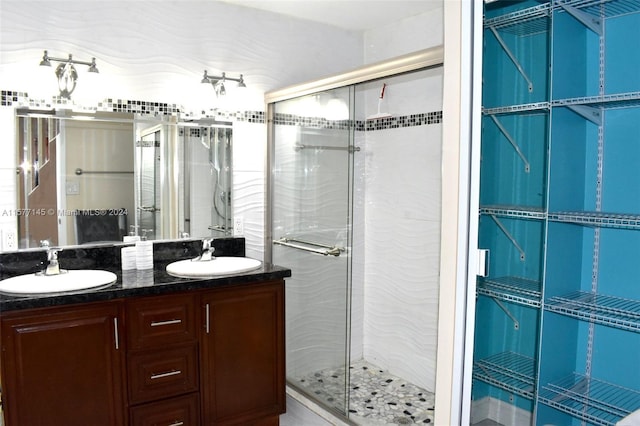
x=357 y=15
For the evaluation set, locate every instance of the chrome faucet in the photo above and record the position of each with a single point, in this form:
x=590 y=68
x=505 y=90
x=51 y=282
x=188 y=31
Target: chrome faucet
x=207 y=251
x=53 y=266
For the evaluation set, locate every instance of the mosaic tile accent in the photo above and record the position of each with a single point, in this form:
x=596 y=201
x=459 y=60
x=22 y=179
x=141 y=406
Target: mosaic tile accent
x=22 y=99
x=376 y=396
x=196 y=132
x=422 y=119
x=313 y=122
x=139 y=107
x=251 y=116
x=434 y=117
x=10 y=97
x=220 y=115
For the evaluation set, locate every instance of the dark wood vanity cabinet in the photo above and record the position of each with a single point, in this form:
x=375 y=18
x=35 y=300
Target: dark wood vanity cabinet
x=64 y=366
x=243 y=360
x=203 y=357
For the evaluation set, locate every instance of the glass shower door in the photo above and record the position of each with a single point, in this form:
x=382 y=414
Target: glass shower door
x=148 y=183
x=311 y=216
x=220 y=163
x=206 y=175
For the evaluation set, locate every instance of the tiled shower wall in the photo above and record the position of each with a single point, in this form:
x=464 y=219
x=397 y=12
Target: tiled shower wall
x=397 y=227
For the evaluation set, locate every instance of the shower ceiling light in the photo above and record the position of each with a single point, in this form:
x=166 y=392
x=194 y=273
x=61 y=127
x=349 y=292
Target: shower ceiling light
x=66 y=72
x=218 y=82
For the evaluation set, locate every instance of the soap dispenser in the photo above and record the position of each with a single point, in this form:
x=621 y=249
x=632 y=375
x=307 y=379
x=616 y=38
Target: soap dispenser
x=132 y=237
x=144 y=252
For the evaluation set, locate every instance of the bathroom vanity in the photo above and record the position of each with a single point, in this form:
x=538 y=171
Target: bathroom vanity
x=149 y=350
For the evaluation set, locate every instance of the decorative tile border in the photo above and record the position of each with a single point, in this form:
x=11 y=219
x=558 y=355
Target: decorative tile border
x=314 y=122
x=434 y=117
x=22 y=99
x=9 y=97
x=139 y=107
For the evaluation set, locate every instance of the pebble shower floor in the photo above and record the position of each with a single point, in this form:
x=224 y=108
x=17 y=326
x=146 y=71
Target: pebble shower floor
x=376 y=397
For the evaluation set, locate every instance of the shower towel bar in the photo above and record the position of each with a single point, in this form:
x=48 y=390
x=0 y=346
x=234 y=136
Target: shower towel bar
x=328 y=250
x=79 y=171
x=217 y=228
x=299 y=147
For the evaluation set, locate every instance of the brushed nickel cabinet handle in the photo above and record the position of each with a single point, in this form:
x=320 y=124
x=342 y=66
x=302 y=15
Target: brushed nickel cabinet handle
x=167 y=374
x=206 y=308
x=115 y=333
x=169 y=322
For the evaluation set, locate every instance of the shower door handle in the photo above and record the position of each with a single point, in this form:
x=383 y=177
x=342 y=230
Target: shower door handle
x=325 y=250
x=150 y=209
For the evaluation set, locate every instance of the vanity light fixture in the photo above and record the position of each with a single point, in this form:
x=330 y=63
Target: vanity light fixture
x=66 y=72
x=218 y=82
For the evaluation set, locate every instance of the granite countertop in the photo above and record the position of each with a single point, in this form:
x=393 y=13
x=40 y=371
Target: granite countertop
x=154 y=281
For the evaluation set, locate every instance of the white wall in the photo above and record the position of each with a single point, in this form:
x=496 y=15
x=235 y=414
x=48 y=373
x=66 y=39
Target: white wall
x=158 y=50
x=249 y=183
x=405 y=36
x=8 y=220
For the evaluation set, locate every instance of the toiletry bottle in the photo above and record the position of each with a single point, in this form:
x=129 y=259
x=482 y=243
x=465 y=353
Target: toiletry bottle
x=132 y=237
x=128 y=258
x=144 y=252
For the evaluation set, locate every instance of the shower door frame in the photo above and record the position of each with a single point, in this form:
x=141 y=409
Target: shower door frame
x=420 y=60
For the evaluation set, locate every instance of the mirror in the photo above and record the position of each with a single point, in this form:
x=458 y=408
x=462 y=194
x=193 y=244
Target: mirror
x=91 y=178
x=207 y=176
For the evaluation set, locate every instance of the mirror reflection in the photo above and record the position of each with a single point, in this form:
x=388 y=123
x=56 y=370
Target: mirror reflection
x=94 y=178
x=207 y=173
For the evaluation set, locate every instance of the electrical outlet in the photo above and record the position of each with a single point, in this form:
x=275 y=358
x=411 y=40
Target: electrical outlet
x=73 y=187
x=9 y=240
x=238 y=226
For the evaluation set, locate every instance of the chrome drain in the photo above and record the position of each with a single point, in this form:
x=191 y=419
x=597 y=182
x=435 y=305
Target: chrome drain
x=402 y=421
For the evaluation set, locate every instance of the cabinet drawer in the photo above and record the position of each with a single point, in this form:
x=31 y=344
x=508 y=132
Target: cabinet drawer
x=158 y=321
x=179 y=411
x=160 y=374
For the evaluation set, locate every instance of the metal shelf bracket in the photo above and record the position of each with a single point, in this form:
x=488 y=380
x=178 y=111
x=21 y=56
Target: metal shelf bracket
x=513 y=58
x=509 y=236
x=516 y=323
x=589 y=21
x=513 y=143
x=588 y=112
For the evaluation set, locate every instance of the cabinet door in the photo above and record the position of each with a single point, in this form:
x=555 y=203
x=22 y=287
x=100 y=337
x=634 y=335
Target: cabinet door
x=63 y=366
x=243 y=354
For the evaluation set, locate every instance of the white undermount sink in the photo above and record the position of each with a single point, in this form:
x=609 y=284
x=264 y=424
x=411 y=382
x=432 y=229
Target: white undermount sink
x=71 y=280
x=221 y=265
